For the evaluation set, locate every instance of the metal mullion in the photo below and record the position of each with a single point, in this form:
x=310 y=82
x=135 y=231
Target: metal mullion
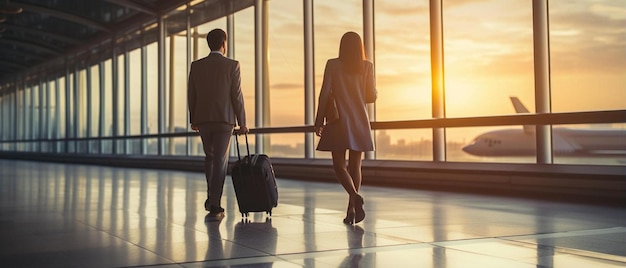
x=437 y=77
x=126 y=101
x=101 y=116
x=68 y=104
x=368 y=43
x=230 y=52
x=89 y=107
x=77 y=111
x=188 y=148
x=24 y=117
x=144 y=97
x=309 y=77
x=541 y=45
x=161 y=84
x=258 y=71
x=171 y=99
x=42 y=114
x=32 y=121
x=57 y=114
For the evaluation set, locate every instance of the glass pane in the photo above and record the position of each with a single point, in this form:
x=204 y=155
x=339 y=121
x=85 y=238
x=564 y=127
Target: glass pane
x=587 y=55
x=152 y=146
x=71 y=109
x=135 y=92
x=287 y=145
x=52 y=110
x=19 y=114
x=95 y=101
x=595 y=144
x=119 y=107
x=34 y=91
x=25 y=113
x=135 y=146
x=82 y=103
x=178 y=112
x=402 y=60
x=489 y=59
x=196 y=146
x=153 y=88
x=244 y=53
x=287 y=64
x=62 y=107
x=107 y=145
x=403 y=144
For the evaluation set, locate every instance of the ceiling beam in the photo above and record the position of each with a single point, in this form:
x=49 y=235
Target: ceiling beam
x=134 y=6
x=30 y=45
x=61 y=15
x=33 y=31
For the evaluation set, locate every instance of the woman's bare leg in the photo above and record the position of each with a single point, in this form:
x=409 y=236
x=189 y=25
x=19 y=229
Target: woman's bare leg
x=354 y=168
x=341 y=171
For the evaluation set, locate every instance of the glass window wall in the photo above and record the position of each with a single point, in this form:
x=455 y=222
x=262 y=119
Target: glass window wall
x=485 y=66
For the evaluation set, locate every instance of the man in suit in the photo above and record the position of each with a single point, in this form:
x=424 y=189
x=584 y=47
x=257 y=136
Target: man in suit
x=215 y=107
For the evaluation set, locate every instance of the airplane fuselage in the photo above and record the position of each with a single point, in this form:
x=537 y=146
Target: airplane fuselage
x=574 y=142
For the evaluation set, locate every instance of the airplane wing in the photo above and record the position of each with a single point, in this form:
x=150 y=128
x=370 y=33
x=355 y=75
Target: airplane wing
x=561 y=145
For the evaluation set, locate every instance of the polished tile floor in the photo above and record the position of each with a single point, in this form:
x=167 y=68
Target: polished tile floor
x=63 y=215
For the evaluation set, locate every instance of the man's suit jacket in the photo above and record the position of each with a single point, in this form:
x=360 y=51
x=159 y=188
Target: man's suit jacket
x=214 y=91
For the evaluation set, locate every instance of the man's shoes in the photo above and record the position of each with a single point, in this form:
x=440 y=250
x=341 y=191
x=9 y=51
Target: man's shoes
x=206 y=205
x=216 y=212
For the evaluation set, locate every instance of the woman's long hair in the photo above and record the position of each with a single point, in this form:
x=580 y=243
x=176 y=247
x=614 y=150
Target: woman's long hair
x=351 y=53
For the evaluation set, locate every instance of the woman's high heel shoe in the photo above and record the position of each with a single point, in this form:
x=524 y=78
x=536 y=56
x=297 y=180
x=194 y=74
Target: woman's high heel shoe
x=359 y=213
x=349 y=219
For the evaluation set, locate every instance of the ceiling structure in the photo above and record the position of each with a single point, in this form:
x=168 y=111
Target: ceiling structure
x=34 y=33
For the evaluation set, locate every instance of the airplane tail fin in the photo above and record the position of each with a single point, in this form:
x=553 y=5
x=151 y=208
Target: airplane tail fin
x=521 y=109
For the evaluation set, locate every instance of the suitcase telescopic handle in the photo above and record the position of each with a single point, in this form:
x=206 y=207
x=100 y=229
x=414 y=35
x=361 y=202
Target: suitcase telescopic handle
x=247 y=146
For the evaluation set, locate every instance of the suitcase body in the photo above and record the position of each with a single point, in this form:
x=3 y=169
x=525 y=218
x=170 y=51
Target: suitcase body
x=254 y=183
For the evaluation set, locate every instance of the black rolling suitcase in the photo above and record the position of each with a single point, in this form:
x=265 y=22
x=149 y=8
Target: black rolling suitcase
x=254 y=182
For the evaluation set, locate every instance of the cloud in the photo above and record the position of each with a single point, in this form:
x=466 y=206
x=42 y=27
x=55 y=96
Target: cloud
x=287 y=86
x=595 y=43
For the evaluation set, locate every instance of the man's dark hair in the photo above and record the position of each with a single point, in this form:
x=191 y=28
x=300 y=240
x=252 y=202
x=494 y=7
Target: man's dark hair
x=216 y=38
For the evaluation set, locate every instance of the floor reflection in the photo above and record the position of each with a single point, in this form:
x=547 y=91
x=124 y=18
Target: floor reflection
x=355 y=241
x=57 y=215
x=215 y=251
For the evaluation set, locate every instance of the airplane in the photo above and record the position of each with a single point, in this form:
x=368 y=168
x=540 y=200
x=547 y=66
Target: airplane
x=566 y=141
